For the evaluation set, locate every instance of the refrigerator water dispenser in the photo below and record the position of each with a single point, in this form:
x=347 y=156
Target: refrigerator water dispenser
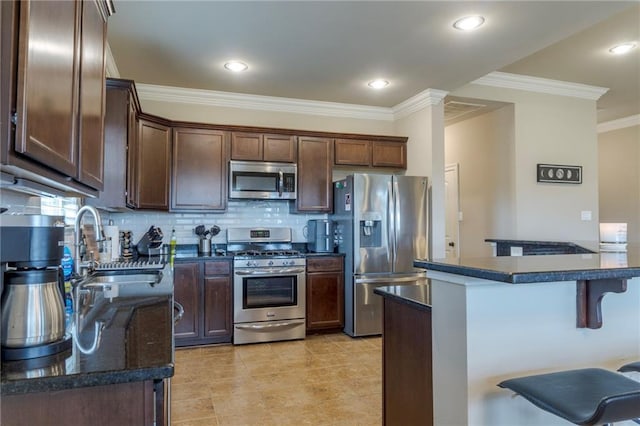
x=370 y=233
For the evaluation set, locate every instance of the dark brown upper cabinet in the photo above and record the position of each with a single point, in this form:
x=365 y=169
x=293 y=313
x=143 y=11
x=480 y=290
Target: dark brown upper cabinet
x=389 y=154
x=120 y=132
x=199 y=172
x=60 y=91
x=315 y=169
x=263 y=147
x=370 y=153
x=152 y=163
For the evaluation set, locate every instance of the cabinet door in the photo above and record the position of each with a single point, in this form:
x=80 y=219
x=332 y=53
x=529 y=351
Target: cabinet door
x=154 y=149
x=218 y=317
x=325 y=263
x=315 y=163
x=115 y=150
x=47 y=84
x=246 y=146
x=186 y=291
x=199 y=174
x=92 y=89
x=352 y=152
x=389 y=154
x=325 y=300
x=279 y=148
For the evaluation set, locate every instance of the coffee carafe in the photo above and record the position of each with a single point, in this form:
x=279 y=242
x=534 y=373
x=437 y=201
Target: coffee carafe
x=33 y=317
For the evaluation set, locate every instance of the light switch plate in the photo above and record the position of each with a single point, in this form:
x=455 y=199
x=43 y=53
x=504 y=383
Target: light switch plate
x=585 y=215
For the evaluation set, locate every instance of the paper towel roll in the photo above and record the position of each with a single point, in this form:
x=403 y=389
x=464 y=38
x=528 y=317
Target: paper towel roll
x=111 y=231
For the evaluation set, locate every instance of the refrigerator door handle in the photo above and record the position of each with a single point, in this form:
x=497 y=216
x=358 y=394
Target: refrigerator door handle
x=396 y=221
x=390 y=281
x=391 y=237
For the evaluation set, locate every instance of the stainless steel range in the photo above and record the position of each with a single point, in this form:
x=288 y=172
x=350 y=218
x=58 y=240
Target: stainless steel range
x=268 y=285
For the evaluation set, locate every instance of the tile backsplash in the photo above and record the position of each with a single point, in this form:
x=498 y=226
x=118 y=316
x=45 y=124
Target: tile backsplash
x=240 y=213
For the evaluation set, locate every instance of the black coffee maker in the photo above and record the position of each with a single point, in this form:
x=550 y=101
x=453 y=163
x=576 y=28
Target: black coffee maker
x=32 y=286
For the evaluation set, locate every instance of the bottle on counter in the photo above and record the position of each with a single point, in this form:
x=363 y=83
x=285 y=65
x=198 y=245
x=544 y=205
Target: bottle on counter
x=67 y=271
x=172 y=247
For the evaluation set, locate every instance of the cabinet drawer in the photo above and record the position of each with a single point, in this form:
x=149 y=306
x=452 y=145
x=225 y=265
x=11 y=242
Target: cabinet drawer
x=321 y=264
x=217 y=268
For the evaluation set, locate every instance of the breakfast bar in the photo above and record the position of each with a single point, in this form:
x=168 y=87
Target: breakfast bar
x=498 y=318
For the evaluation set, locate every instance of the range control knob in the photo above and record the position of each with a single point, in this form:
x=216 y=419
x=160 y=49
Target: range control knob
x=270 y=263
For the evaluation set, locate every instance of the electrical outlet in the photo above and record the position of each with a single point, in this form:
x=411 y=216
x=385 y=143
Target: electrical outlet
x=585 y=215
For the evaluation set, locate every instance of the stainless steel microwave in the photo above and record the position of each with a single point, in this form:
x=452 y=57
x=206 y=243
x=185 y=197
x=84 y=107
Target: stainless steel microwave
x=262 y=180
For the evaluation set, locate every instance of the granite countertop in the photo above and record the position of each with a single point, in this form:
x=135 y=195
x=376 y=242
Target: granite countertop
x=543 y=268
x=415 y=295
x=136 y=345
x=189 y=252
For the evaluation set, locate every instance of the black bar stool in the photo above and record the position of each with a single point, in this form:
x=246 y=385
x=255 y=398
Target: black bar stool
x=590 y=396
x=633 y=366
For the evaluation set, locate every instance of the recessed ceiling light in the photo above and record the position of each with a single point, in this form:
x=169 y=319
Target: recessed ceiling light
x=236 y=66
x=468 y=23
x=378 y=83
x=623 y=48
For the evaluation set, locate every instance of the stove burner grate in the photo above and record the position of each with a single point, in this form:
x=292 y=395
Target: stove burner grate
x=266 y=253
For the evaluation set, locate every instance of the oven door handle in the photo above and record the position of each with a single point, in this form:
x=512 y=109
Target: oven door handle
x=278 y=271
x=270 y=326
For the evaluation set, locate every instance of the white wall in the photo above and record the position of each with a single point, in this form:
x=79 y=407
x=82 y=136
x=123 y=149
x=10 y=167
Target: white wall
x=550 y=129
x=425 y=157
x=253 y=117
x=619 y=171
x=483 y=146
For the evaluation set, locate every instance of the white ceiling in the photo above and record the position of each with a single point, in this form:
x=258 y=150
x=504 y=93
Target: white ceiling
x=329 y=50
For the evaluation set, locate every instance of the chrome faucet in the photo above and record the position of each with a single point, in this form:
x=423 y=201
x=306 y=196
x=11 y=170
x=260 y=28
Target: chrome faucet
x=78 y=239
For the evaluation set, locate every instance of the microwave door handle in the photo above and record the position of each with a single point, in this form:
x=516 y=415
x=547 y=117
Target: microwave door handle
x=280 y=183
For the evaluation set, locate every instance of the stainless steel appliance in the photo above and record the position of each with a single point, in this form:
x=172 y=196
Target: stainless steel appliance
x=320 y=238
x=33 y=318
x=262 y=180
x=381 y=227
x=268 y=285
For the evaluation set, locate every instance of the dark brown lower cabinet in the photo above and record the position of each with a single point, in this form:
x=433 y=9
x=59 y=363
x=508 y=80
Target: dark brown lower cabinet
x=117 y=404
x=204 y=289
x=407 y=380
x=325 y=293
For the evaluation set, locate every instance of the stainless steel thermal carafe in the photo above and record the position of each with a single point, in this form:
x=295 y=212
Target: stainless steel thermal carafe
x=32 y=308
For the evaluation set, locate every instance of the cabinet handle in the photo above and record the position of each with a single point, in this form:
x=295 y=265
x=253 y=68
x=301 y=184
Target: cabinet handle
x=177 y=306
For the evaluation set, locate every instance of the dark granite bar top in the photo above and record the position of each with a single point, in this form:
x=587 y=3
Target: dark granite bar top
x=136 y=345
x=543 y=268
x=414 y=295
x=529 y=247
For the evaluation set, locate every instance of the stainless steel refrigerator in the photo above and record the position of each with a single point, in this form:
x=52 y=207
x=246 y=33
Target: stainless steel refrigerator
x=382 y=225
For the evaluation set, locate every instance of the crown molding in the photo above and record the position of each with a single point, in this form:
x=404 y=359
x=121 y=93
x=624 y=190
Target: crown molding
x=110 y=64
x=152 y=92
x=621 y=123
x=541 y=85
x=417 y=102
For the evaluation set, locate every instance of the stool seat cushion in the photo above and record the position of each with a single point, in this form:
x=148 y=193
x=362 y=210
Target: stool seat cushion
x=585 y=397
x=634 y=366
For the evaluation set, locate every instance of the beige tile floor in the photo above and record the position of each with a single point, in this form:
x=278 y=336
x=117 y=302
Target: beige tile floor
x=322 y=380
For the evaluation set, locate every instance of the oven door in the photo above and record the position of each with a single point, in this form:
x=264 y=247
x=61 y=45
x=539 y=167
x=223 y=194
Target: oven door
x=265 y=294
